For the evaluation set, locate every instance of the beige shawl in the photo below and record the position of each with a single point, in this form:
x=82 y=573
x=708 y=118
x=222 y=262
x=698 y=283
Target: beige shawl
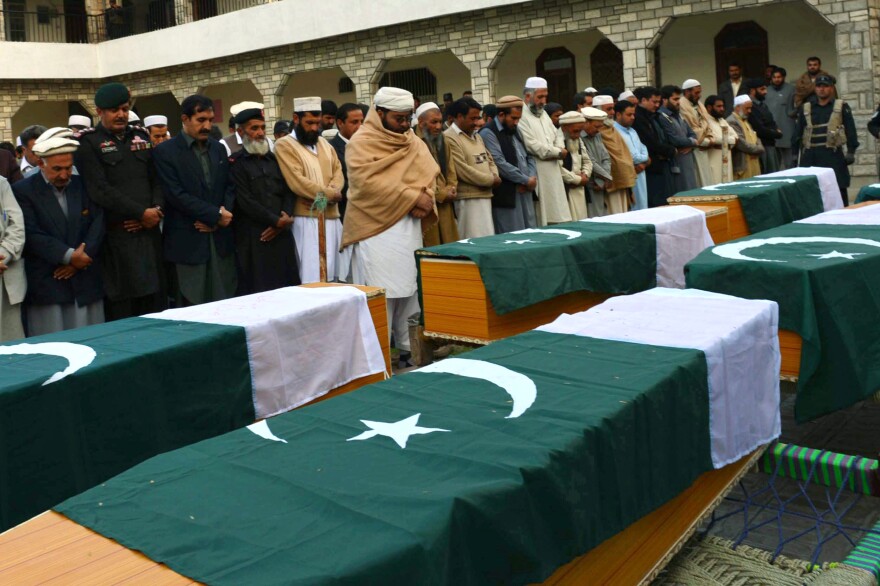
x=697 y=117
x=386 y=174
x=623 y=171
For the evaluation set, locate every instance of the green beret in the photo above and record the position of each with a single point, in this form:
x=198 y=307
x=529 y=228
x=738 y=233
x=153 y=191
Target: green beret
x=111 y=95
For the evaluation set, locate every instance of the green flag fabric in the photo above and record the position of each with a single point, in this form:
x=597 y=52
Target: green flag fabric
x=769 y=202
x=826 y=279
x=141 y=387
x=526 y=267
x=869 y=193
x=543 y=447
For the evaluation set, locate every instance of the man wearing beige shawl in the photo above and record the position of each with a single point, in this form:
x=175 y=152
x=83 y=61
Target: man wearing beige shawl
x=391 y=182
x=430 y=130
x=623 y=170
x=313 y=172
x=694 y=113
x=721 y=139
x=747 y=153
x=577 y=166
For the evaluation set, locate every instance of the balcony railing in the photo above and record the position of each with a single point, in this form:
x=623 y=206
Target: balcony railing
x=52 y=25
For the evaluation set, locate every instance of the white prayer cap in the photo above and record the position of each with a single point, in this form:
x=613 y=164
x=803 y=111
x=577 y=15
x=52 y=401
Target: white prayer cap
x=77 y=120
x=571 y=117
x=690 y=84
x=18 y=141
x=310 y=104
x=394 y=99
x=241 y=107
x=591 y=90
x=625 y=96
x=156 y=120
x=426 y=107
x=602 y=100
x=329 y=134
x=57 y=145
x=740 y=100
x=132 y=117
x=591 y=113
x=536 y=83
x=54 y=132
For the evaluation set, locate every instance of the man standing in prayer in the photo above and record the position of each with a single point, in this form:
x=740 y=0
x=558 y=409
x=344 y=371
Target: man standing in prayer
x=729 y=88
x=601 y=176
x=64 y=230
x=694 y=113
x=430 y=130
x=264 y=211
x=328 y=115
x=116 y=163
x=13 y=281
x=513 y=207
x=313 y=172
x=348 y=119
x=577 y=166
x=475 y=169
x=392 y=177
x=545 y=144
x=628 y=96
x=618 y=191
x=780 y=102
x=764 y=125
x=77 y=122
x=748 y=149
x=30 y=162
x=684 y=168
x=659 y=172
x=721 y=140
x=157 y=127
x=194 y=170
x=625 y=115
x=805 y=86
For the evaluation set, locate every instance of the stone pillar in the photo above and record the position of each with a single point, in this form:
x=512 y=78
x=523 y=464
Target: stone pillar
x=183 y=11
x=2 y=23
x=95 y=25
x=480 y=55
x=365 y=76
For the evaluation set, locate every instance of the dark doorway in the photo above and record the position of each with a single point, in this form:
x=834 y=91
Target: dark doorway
x=75 y=27
x=204 y=9
x=744 y=43
x=421 y=82
x=606 y=66
x=556 y=65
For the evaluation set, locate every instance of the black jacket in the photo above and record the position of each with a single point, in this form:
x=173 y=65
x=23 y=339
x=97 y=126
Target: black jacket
x=339 y=146
x=763 y=124
x=49 y=235
x=652 y=136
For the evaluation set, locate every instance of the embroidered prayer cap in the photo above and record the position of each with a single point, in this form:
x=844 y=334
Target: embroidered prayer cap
x=509 y=102
x=690 y=84
x=394 y=99
x=57 y=145
x=536 y=83
x=111 y=95
x=156 y=120
x=826 y=80
x=426 y=107
x=54 y=132
x=625 y=96
x=602 y=100
x=77 y=120
x=740 y=100
x=310 y=104
x=132 y=117
x=244 y=111
x=591 y=90
x=572 y=117
x=591 y=113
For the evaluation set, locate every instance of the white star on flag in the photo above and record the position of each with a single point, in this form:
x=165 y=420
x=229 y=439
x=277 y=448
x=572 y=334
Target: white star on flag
x=399 y=431
x=519 y=242
x=835 y=254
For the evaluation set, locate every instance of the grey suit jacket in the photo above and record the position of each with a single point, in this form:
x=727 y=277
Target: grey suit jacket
x=13 y=279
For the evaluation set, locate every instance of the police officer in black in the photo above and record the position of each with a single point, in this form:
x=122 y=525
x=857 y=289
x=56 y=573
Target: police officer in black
x=825 y=126
x=115 y=161
x=264 y=249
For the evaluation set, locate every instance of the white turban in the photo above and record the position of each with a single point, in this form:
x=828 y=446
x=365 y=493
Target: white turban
x=156 y=120
x=625 y=96
x=310 y=104
x=57 y=145
x=690 y=84
x=536 y=83
x=132 y=117
x=740 y=100
x=394 y=99
x=571 y=117
x=591 y=113
x=602 y=100
x=54 y=132
x=77 y=120
x=427 y=106
x=241 y=107
x=591 y=90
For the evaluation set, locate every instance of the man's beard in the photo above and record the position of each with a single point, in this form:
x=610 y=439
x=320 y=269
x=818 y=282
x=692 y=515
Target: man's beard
x=306 y=137
x=535 y=109
x=716 y=115
x=255 y=147
x=394 y=130
x=435 y=141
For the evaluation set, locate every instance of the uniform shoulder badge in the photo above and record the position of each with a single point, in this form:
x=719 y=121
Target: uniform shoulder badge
x=80 y=133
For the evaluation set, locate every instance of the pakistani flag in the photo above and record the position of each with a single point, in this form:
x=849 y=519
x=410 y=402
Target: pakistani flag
x=825 y=275
x=869 y=193
x=494 y=467
x=526 y=267
x=80 y=406
x=768 y=202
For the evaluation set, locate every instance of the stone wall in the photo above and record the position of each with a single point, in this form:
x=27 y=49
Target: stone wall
x=479 y=40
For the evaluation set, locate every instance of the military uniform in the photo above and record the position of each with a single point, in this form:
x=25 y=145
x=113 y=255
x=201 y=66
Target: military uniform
x=822 y=132
x=121 y=178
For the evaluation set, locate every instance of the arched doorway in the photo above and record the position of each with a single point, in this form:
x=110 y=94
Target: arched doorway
x=556 y=65
x=606 y=65
x=744 y=43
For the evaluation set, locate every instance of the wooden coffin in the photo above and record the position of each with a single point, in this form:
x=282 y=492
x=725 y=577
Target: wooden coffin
x=736 y=221
x=716 y=221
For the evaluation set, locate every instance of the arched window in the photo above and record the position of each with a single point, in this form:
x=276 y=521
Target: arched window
x=421 y=82
x=556 y=65
x=744 y=43
x=606 y=66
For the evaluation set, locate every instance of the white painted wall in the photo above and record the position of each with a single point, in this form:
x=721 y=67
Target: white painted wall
x=687 y=50
x=48 y=114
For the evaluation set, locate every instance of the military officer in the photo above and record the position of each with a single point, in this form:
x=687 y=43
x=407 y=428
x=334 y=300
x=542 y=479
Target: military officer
x=115 y=160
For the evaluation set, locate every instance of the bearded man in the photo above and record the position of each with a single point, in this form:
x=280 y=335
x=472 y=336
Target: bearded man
x=313 y=172
x=618 y=192
x=391 y=182
x=577 y=167
x=430 y=130
x=264 y=211
x=694 y=113
x=748 y=150
x=721 y=140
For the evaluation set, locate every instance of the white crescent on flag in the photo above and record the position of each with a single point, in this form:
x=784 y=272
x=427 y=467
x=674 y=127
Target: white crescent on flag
x=77 y=355
x=569 y=234
x=753 y=184
x=734 y=250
